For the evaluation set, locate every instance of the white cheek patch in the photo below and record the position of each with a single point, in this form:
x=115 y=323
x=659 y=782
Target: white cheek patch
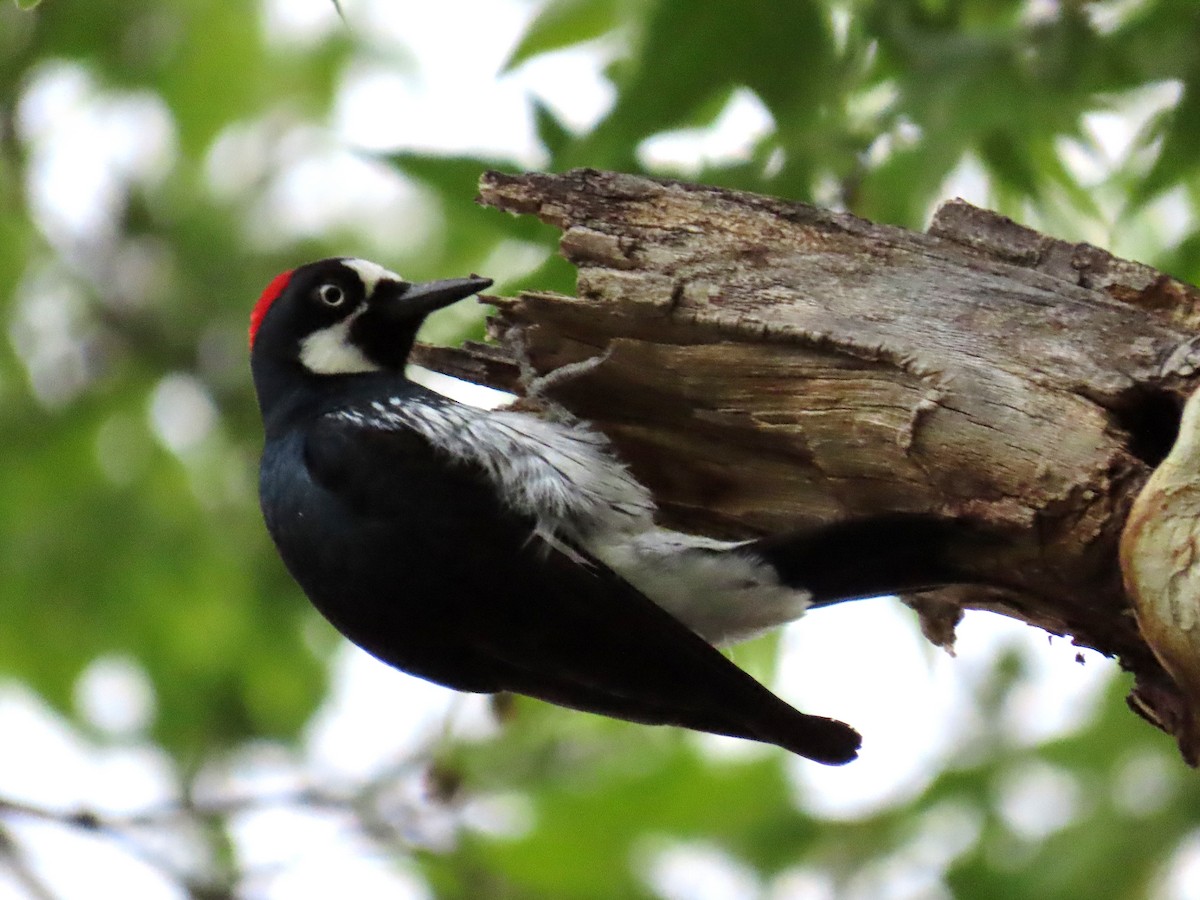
x=331 y=352
x=370 y=273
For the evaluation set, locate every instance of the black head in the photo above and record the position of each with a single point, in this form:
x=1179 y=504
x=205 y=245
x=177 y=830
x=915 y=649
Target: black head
x=345 y=316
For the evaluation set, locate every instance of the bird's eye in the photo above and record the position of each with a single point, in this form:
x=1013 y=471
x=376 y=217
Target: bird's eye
x=331 y=295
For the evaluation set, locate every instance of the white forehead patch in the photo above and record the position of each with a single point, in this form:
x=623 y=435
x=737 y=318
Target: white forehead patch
x=370 y=273
x=331 y=352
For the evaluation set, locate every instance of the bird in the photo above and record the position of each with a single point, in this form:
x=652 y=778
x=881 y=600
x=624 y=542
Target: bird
x=1160 y=566
x=502 y=550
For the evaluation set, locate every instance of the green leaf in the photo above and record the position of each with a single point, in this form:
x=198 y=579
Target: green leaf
x=553 y=134
x=588 y=778
x=27 y=4
x=693 y=56
x=562 y=23
x=1177 y=158
x=471 y=230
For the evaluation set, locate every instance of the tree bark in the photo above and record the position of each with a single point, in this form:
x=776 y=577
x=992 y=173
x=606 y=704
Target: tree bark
x=763 y=364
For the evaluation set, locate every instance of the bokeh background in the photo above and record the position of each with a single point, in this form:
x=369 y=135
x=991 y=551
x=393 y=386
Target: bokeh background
x=175 y=721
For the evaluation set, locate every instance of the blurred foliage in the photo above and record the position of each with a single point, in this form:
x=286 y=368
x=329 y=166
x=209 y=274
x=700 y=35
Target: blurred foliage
x=130 y=529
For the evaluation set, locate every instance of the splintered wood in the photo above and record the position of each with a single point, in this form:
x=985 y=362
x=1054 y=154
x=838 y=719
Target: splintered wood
x=764 y=364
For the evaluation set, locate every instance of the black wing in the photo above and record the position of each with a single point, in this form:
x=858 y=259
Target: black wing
x=489 y=605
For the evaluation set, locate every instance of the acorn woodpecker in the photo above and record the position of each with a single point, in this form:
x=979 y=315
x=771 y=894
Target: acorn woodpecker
x=499 y=550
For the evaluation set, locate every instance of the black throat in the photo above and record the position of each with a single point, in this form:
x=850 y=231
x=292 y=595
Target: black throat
x=290 y=395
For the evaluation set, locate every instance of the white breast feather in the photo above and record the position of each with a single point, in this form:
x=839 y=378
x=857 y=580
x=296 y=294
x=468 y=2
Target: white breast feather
x=567 y=477
x=724 y=594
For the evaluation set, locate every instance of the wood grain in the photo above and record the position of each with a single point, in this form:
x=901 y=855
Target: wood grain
x=763 y=364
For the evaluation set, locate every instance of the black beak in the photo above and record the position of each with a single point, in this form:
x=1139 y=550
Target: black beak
x=418 y=300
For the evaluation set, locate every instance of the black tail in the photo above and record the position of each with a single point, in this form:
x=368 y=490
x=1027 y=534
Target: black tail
x=737 y=706
x=771 y=720
x=823 y=740
x=888 y=554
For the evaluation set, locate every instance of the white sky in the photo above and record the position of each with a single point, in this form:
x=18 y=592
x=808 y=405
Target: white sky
x=863 y=662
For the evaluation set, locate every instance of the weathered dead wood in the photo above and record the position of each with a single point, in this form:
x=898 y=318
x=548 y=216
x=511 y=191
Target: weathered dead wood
x=767 y=364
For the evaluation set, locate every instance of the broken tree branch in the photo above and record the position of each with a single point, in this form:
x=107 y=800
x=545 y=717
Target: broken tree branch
x=766 y=364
